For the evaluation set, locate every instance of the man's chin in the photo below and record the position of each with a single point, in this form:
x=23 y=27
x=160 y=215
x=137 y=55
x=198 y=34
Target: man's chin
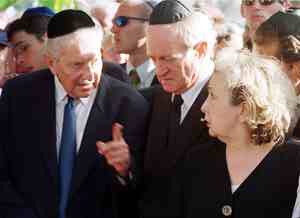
x=85 y=92
x=167 y=89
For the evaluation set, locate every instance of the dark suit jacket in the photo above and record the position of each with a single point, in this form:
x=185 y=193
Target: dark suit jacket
x=296 y=130
x=202 y=187
x=115 y=71
x=161 y=160
x=28 y=157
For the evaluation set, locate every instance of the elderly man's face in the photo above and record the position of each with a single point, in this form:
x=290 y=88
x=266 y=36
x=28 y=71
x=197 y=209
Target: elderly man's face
x=176 y=67
x=131 y=36
x=256 y=13
x=28 y=52
x=78 y=67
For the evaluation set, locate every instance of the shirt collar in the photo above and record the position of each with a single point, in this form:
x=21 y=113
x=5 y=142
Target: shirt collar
x=61 y=94
x=144 y=70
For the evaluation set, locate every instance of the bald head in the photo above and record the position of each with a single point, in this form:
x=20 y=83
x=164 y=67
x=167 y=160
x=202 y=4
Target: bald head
x=142 y=8
x=104 y=13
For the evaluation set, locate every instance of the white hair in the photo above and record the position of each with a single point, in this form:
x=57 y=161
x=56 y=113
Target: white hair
x=89 y=36
x=196 y=28
x=229 y=34
x=259 y=82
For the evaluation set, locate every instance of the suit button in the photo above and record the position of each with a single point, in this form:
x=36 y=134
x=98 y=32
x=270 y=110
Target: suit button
x=226 y=210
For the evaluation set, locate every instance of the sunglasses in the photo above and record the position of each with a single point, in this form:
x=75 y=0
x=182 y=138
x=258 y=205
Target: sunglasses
x=261 y=2
x=123 y=20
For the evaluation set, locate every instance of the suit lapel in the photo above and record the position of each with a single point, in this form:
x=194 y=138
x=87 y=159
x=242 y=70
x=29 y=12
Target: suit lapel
x=45 y=114
x=190 y=130
x=159 y=130
x=96 y=129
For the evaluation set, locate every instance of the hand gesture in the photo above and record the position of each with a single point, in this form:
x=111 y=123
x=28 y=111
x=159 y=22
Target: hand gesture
x=116 y=151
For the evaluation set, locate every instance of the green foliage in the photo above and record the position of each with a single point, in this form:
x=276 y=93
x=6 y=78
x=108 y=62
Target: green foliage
x=6 y=3
x=56 y=5
x=48 y=3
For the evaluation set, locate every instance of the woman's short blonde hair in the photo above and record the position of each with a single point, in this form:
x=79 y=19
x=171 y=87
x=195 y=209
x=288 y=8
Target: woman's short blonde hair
x=260 y=84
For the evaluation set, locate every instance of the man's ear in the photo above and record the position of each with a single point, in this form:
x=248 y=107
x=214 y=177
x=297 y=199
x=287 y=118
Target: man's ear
x=44 y=37
x=50 y=61
x=201 y=48
x=242 y=10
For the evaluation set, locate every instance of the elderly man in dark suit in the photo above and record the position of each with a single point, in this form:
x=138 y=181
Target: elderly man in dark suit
x=51 y=121
x=183 y=67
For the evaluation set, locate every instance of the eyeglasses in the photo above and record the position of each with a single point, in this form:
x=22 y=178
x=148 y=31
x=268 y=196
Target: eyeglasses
x=261 y=2
x=123 y=20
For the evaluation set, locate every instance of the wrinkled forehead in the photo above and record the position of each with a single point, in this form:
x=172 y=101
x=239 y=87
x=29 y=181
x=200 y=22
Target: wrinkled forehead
x=132 y=8
x=164 y=32
x=85 y=41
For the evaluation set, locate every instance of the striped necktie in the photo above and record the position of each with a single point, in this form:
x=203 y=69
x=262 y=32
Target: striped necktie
x=134 y=78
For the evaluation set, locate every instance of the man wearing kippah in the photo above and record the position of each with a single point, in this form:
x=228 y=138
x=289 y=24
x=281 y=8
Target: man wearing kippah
x=28 y=38
x=63 y=150
x=180 y=43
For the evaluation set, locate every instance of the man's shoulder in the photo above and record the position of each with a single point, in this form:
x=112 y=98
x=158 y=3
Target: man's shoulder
x=28 y=77
x=153 y=92
x=115 y=71
x=30 y=81
x=117 y=89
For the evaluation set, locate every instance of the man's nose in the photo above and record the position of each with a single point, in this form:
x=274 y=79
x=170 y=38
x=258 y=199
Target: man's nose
x=160 y=67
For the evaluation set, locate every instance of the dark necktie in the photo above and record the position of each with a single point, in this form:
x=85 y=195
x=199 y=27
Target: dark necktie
x=67 y=154
x=134 y=78
x=174 y=122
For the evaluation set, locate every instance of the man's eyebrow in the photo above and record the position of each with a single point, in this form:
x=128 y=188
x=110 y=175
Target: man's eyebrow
x=19 y=43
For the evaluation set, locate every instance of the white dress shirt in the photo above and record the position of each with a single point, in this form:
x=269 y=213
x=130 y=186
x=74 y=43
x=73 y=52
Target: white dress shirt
x=83 y=107
x=146 y=72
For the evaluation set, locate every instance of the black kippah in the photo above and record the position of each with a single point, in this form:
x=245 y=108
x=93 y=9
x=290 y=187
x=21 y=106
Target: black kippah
x=169 y=11
x=285 y=23
x=68 y=21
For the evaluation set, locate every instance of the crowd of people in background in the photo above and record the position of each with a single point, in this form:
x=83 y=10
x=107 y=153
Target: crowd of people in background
x=151 y=108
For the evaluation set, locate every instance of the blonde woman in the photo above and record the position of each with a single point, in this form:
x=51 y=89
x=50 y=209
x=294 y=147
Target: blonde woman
x=249 y=171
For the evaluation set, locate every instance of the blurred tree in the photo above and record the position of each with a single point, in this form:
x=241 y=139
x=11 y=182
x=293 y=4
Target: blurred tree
x=56 y=5
x=6 y=3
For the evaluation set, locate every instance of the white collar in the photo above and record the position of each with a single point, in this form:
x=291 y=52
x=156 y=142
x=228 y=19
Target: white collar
x=144 y=70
